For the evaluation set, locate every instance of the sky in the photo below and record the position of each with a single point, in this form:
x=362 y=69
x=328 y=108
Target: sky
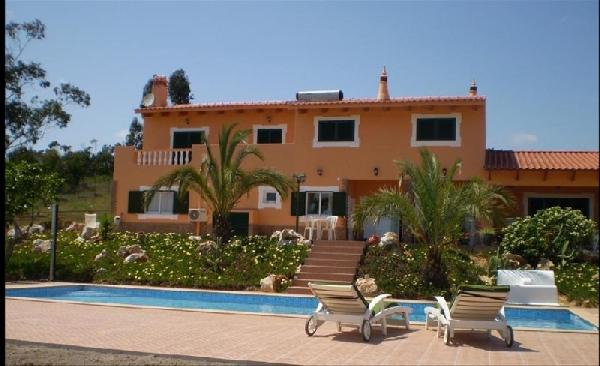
x=535 y=61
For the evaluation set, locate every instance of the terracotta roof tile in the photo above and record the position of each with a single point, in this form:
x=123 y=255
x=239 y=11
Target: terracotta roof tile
x=294 y=103
x=541 y=160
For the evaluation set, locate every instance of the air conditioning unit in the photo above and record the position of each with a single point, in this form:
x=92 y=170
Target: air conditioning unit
x=197 y=215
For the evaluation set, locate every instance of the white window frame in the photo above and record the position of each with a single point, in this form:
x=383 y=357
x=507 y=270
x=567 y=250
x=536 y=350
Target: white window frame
x=528 y=195
x=165 y=216
x=320 y=189
x=190 y=129
x=355 y=143
x=452 y=143
x=262 y=198
x=282 y=127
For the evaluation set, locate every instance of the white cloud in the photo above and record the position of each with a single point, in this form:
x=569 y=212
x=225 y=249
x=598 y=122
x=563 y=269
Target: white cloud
x=522 y=139
x=121 y=134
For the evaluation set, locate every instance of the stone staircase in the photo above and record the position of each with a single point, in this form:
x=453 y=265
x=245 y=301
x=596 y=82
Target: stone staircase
x=332 y=261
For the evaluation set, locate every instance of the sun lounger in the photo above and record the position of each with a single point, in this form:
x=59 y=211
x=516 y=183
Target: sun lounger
x=476 y=308
x=345 y=305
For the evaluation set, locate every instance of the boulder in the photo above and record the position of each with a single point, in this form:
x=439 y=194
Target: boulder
x=122 y=251
x=206 y=247
x=136 y=257
x=545 y=264
x=75 y=227
x=389 y=240
x=132 y=249
x=367 y=286
x=41 y=246
x=373 y=240
x=289 y=237
x=514 y=260
x=87 y=233
x=11 y=233
x=102 y=254
x=194 y=237
x=276 y=235
x=35 y=229
x=271 y=283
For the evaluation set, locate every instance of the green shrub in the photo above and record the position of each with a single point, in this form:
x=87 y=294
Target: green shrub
x=400 y=272
x=105 y=226
x=579 y=283
x=553 y=233
x=173 y=261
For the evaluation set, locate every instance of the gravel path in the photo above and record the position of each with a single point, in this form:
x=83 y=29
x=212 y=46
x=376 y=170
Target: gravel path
x=33 y=353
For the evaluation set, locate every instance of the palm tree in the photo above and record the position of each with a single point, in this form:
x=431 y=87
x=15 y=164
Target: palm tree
x=220 y=181
x=434 y=208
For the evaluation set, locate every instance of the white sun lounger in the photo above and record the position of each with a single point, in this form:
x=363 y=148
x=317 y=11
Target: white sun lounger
x=476 y=308
x=345 y=305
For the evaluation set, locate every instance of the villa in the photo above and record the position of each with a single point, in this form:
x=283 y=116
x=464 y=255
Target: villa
x=345 y=148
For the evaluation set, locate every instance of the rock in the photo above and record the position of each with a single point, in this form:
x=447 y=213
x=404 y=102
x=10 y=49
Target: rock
x=122 y=251
x=193 y=237
x=136 y=257
x=11 y=233
x=41 y=246
x=305 y=242
x=586 y=303
x=272 y=283
x=527 y=266
x=75 y=227
x=87 y=233
x=367 y=286
x=35 y=229
x=487 y=280
x=101 y=270
x=595 y=277
x=132 y=249
x=276 y=235
x=206 y=247
x=102 y=254
x=389 y=240
x=545 y=264
x=514 y=260
x=289 y=237
x=373 y=240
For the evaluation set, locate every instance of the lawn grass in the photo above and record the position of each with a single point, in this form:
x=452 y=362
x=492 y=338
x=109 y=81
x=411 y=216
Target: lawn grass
x=91 y=196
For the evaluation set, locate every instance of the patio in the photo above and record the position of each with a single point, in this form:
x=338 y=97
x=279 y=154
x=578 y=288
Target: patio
x=253 y=338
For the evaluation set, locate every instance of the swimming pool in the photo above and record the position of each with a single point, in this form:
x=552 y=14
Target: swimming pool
x=517 y=317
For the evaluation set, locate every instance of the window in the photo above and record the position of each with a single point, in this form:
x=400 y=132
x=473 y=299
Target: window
x=162 y=203
x=319 y=203
x=436 y=130
x=336 y=131
x=268 y=197
x=269 y=136
x=534 y=204
x=185 y=139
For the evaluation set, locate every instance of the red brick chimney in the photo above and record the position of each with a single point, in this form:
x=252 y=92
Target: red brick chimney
x=159 y=90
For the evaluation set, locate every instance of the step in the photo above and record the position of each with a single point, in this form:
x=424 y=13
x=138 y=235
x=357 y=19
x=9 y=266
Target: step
x=345 y=277
x=298 y=290
x=336 y=249
x=335 y=256
x=308 y=268
x=341 y=242
x=304 y=283
x=334 y=263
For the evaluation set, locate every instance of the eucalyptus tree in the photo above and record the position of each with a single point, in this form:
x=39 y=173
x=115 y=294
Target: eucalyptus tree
x=434 y=207
x=220 y=181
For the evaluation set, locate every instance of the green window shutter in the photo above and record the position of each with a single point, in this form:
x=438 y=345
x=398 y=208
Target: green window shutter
x=136 y=202
x=294 y=198
x=181 y=205
x=339 y=204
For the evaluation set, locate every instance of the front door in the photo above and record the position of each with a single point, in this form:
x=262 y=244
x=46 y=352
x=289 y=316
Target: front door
x=240 y=223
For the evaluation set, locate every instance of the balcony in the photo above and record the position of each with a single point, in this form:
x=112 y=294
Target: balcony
x=164 y=157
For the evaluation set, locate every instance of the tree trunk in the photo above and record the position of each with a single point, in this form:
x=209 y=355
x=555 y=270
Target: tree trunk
x=10 y=244
x=435 y=270
x=222 y=227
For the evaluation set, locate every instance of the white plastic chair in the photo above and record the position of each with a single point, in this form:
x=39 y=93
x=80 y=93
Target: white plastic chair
x=311 y=227
x=330 y=227
x=90 y=221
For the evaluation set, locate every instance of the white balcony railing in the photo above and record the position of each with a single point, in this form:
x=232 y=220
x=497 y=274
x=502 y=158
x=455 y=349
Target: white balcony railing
x=164 y=157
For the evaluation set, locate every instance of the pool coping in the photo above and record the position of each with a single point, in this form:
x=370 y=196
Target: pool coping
x=73 y=284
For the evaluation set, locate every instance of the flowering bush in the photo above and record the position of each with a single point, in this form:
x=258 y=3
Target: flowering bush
x=400 y=272
x=553 y=233
x=173 y=261
x=579 y=283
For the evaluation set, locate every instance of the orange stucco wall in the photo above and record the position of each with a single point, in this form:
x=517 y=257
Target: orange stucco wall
x=384 y=136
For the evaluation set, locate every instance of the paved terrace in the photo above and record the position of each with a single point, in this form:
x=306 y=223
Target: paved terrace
x=273 y=339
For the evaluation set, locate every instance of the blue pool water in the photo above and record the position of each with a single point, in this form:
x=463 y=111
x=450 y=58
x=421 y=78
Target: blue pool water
x=516 y=317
